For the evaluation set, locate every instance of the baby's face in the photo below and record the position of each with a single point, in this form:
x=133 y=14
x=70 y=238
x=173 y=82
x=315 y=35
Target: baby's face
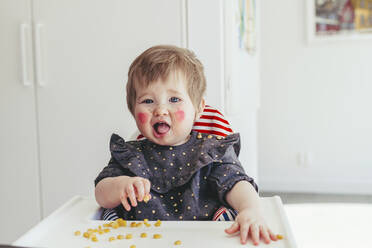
x=164 y=112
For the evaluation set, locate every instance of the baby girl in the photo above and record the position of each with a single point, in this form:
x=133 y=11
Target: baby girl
x=187 y=175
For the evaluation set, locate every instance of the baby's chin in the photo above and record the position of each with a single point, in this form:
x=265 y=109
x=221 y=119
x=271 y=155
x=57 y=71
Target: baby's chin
x=168 y=142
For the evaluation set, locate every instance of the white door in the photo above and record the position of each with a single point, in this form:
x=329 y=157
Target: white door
x=19 y=172
x=85 y=50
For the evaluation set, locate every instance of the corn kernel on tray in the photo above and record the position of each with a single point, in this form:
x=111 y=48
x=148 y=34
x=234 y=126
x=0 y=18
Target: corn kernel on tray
x=73 y=225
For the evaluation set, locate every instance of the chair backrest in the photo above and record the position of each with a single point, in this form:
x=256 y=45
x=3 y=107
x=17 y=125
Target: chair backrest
x=210 y=122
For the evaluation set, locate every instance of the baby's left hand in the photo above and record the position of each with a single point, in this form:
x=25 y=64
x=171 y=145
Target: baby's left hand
x=251 y=223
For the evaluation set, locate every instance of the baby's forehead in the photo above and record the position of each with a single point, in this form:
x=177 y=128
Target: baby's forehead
x=173 y=78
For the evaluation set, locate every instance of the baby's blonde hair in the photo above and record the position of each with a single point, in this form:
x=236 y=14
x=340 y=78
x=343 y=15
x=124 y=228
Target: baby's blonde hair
x=158 y=62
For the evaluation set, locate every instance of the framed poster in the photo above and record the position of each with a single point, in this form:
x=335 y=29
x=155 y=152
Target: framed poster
x=339 y=19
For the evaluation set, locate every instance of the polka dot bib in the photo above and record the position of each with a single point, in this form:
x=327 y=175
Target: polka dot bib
x=168 y=167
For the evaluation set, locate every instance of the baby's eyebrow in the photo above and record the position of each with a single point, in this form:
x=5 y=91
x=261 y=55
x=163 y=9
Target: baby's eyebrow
x=174 y=91
x=142 y=95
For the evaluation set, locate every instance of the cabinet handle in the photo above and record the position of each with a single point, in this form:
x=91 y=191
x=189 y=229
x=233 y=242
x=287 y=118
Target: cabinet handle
x=24 y=30
x=39 y=55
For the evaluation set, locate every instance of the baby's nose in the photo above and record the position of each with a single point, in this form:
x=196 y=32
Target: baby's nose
x=161 y=110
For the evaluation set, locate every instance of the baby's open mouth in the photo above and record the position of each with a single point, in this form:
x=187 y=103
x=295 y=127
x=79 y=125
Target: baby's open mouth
x=161 y=128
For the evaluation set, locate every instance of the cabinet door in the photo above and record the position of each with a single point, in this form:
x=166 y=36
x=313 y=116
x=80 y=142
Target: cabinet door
x=86 y=49
x=19 y=171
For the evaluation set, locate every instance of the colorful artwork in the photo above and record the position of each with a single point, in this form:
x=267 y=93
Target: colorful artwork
x=342 y=16
x=247 y=25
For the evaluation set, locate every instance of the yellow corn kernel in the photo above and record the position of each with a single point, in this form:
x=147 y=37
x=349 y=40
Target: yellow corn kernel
x=157 y=223
x=278 y=236
x=120 y=236
x=132 y=246
x=106 y=225
x=94 y=239
x=147 y=224
x=106 y=230
x=90 y=230
x=86 y=235
x=157 y=236
x=133 y=224
x=178 y=242
x=145 y=220
x=114 y=225
x=77 y=233
x=146 y=198
x=121 y=222
x=143 y=235
x=100 y=231
x=111 y=238
x=129 y=236
x=138 y=224
x=99 y=228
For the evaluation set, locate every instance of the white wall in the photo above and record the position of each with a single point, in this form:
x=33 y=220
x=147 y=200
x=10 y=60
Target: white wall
x=315 y=98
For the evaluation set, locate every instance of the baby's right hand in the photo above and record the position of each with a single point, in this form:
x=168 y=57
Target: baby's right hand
x=134 y=188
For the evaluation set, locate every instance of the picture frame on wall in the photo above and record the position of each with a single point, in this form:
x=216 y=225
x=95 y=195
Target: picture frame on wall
x=339 y=20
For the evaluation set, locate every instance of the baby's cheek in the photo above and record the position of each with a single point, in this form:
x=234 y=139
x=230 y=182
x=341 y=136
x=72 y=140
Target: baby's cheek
x=180 y=115
x=142 y=117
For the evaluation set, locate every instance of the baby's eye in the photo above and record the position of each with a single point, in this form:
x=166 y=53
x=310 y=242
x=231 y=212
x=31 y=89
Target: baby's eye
x=174 y=99
x=147 y=101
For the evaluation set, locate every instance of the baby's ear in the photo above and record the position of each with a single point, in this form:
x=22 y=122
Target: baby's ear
x=200 y=109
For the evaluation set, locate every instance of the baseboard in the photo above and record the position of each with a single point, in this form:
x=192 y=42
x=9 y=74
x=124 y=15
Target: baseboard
x=326 y=187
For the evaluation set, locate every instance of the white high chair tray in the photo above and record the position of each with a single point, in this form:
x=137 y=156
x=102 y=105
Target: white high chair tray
x=57 y=230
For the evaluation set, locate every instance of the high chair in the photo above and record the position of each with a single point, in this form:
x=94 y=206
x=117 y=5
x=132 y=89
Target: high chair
x=82 y=214
x=58 y=230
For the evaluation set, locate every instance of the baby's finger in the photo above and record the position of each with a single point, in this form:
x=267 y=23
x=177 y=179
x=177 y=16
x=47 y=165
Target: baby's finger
x=272 y=235
x=124 y=202
x=147 y=185
x=233 y=228
x=265 y=235
x=255 y=234
x=132 y=195
x=244 y=230
x=140 y=190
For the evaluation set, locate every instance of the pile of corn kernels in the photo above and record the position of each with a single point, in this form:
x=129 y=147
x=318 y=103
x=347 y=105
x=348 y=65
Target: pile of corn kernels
x=91 y=234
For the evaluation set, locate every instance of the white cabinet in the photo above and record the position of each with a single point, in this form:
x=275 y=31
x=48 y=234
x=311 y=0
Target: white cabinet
x=19 y=181
x=55 y=132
